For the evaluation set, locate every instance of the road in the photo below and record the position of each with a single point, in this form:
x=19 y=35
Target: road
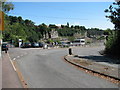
x=46 y=68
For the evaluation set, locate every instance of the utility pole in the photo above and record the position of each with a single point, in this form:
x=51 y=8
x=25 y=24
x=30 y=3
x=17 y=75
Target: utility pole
x=0 y=44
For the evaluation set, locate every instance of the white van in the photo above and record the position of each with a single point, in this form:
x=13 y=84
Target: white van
x=78 y=42
x=82 y=41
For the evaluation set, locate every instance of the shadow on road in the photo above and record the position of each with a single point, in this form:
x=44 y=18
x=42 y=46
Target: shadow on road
x=101 y=59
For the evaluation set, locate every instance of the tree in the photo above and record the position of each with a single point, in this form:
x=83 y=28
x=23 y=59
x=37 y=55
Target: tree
x=20 y=20
x=72 y=26
x=33 y=37
x=53 y=26
x=29 y=22
x=67 y=24
x=108 y=31
x=114 y=16
x=77 y=27
x=43 y=29
x=113 y=42
x=62 y=26
x=7 y=6
x=13 y=19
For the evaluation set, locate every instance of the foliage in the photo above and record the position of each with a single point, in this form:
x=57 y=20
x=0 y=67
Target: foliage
x=71 y=38
x=93 y=32
x=114 y=16
x=7 y=6
x=101 y=38
x=66 y=32
x=113 y=42
x=108 y=31
x=17 y=28
x=49 y=41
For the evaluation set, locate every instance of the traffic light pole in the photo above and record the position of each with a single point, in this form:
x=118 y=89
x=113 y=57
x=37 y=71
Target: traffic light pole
x=0 y=46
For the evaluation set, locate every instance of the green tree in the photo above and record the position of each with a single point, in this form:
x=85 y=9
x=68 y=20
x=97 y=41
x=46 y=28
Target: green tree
x=67 y=24
x=53 y=26
x=33 y=37
x=113 y=43
x=7 y=6
x=72 y=26
x=108 y=31
x=43 y=29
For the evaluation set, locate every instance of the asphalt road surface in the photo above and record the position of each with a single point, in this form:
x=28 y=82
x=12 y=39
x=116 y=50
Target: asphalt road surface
x=46 y=68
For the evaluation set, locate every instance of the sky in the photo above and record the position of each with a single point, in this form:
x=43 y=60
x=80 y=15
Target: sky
x=88 y=14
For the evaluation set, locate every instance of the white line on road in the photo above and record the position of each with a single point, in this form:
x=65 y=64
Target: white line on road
x=14 y=58
x=43 y=54
x=32 y=49
x=18 y=56
x=21 y=55
x=25 y=53
x=11 y=62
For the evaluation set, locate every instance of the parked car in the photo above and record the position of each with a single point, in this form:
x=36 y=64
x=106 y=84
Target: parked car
x=35 y=44
x=65 y=44
x=41 y=44
x=26 y=45
x=5 y=47
x=45 y=46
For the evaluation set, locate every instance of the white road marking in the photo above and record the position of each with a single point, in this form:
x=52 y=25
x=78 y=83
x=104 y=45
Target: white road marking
x=31 y=48
x=25 y=53
x=21 y=55
x=18 y=56
x=14 y=58
x=43 y=54
x=113 y=69
x=11 y=62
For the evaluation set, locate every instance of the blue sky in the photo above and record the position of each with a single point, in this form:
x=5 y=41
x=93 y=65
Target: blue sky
x=88 y=14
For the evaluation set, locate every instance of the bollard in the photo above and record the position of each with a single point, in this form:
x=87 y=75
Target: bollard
x=70 y=51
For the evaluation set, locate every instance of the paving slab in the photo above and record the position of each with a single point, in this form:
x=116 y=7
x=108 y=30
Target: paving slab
x=103 y=68
x=9 y=76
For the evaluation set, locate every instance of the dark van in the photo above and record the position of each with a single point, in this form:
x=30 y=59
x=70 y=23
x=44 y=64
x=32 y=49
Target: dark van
x=5 y=47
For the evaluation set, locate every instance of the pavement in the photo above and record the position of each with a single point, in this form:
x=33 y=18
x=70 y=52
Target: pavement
x=0 y=69
x=91 y=63
x=10 y=78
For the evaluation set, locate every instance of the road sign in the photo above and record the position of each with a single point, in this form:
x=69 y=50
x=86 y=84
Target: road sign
x=1 y=21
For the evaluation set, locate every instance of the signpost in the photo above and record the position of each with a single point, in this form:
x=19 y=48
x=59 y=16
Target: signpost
x=1 y=21
x=1 y=28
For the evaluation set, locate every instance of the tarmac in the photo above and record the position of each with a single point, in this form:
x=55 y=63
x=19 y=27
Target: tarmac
x=103 y=68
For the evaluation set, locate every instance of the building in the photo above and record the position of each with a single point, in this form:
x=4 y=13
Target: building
x=54 y=34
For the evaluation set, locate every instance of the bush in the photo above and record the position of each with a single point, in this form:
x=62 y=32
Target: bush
x=113 y=44
x=101 y=38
